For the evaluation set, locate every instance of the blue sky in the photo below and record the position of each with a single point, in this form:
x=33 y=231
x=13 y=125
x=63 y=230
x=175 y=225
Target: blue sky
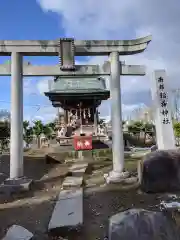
x=25 y=20
x=92 y=19
x=20 y=20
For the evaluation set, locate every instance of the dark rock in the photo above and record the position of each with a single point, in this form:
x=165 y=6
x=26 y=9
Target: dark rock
x=160 y=171
x=139 y=224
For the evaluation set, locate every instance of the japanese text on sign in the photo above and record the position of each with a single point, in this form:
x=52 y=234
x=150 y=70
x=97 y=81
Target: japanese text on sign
x=163 y=96
x=166 y=121
x=84 y=143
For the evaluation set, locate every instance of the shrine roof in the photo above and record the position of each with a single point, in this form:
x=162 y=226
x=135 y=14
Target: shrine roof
x=81 y=93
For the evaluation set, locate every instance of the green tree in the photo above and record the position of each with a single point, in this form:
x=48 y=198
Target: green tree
x=4 y=134
x=176 y=126
x=123 y=122
x=52 y=125
x=101 y=121
x=27 y=133
x=138 y=127
x=48 y=131
x=38 y=129
x=148 y=129
x=135 y=128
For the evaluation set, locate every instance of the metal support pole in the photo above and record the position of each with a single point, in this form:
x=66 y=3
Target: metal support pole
x=16 y=145
x=81 y=123
x=116 y=116
x=95 y=121
x=66 y=117
x=80 y=155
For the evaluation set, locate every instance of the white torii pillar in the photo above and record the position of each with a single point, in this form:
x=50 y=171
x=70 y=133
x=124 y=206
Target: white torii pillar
x=16 y=144
x=116 y=118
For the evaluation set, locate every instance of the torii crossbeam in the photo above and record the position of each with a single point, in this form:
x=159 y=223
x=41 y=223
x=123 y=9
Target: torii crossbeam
x=81 y=70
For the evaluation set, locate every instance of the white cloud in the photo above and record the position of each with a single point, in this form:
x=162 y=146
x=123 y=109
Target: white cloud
x=35 y=88
x=45 y=114
x=125 y=19
x=42 y=86
x=30 y=87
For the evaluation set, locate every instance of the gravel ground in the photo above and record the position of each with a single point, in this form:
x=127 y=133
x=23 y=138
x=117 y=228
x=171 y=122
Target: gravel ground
x=99 y=206
x=33 y=210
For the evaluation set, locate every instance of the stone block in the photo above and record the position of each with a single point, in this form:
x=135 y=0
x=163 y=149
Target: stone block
x=78 y=169
x=68 y=212
x=3 y=177
x=70 y=160
x=140 y=224
x=15 y=185
x=16 y=232
x=72 y=182
x=160 y=171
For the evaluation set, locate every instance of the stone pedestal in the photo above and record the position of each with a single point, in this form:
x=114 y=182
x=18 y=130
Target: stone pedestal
x=116 y=177
x=17 y=185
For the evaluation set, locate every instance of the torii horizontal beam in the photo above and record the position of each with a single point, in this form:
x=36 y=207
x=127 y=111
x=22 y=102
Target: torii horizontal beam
x=82 y=48
x=81 y=70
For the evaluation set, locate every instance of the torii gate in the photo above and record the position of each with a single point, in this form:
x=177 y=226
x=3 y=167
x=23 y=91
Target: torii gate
x=67 y=49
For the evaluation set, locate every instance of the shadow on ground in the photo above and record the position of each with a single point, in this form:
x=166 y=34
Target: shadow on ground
x=34 y=217
x=97 y=144
x=32 y=209
x=45 y=176
x=34 y=167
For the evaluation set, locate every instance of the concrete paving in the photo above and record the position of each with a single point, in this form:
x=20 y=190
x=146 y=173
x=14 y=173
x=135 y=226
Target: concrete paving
x=68 y=211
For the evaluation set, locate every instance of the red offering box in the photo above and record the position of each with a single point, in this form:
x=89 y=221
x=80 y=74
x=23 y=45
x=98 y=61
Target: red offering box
x=82 y=143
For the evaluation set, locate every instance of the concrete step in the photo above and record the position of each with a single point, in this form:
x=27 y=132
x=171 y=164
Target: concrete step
x=72 y=182
x=68 y=211
x=78 y=169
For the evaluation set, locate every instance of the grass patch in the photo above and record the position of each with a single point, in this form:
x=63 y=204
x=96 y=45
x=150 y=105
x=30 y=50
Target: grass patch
x=131 y=164
x=96 y=157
